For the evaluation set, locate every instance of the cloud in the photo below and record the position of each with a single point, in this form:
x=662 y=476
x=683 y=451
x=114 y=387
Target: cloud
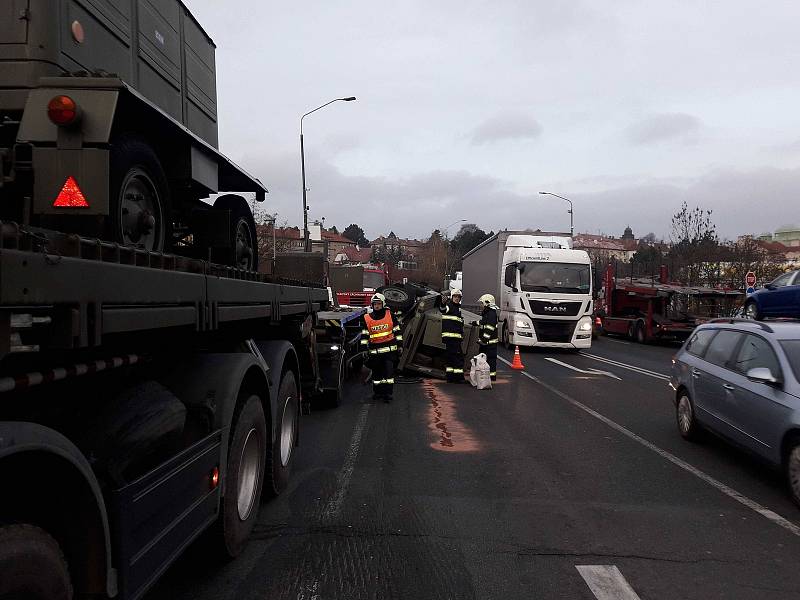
x=507 y=126
x=665 y=126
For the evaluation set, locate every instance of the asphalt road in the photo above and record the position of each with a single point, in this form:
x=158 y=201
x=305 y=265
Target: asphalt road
x=567 y=480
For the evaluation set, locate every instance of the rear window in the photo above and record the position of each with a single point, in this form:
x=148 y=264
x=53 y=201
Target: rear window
x=698 y=343
x=792 y=350
x=722 y=347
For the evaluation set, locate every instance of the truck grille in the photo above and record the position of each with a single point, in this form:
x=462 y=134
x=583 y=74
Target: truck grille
x=554 y=331
x=358 y=300
x=564 y=309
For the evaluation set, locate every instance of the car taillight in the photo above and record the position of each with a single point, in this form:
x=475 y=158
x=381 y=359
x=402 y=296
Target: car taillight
x=62 y=110
x=598 y=321
x=70 y=195
x=213 y=479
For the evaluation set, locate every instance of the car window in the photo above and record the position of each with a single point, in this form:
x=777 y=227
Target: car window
x=756 y=352
x=796 y=278
x=783 y=280
x=510 y=278
x=722 y=347
x=698 y=343
x=792 y=350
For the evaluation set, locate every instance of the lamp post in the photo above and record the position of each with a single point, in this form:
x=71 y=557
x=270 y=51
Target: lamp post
x=447 y=250
x=306 y=245
x=571 y=228
x=273 y=219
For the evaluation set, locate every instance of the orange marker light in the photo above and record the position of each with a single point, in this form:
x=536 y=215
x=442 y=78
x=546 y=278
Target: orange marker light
x=214 y=479
x=71 y=195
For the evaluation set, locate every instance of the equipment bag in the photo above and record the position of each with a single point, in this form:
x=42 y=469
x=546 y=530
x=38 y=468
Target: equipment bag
x=479 y=373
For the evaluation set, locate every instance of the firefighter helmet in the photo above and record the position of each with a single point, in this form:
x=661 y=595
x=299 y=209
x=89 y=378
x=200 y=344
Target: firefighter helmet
x=378 y=297
x=486 y=300
x=456 y=292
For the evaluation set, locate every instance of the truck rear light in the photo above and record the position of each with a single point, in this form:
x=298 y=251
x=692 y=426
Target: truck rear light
x=70 y=195
x=213 y=480
x=62 y=110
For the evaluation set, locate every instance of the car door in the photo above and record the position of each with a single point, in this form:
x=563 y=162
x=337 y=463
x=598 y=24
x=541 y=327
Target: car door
x=778 y=297
x=793 y=297
x=757 y=410
x=711 y=375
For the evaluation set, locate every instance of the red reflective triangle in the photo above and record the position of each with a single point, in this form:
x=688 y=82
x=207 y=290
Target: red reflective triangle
x=71 y=195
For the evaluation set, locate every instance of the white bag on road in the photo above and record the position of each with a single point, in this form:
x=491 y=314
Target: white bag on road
x=479 y=373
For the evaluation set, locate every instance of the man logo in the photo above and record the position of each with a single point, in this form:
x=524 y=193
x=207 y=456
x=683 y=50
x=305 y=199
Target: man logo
x=553 y=309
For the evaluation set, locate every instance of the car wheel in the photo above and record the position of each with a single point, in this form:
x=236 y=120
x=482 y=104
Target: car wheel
x=751 y=311
x=793 y=470
x=687 y=423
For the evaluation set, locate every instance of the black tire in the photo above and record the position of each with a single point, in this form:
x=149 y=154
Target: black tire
x=685 y=418
x=751 y=311
x=641 y=333
x=792 y=468
x=32 y=565
x=504 y=337
x=139 y=199
x=398 y=297
x=244 y=476
x=631 y=332
x=281 y=455
x=243 y=251
x=334 y=397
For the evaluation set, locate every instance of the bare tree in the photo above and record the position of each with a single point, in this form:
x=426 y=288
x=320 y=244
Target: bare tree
x=695 y=251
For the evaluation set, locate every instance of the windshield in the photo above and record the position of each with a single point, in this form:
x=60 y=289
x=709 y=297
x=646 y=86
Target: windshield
x=565 y=278
x=792 y=349
x=373 y=280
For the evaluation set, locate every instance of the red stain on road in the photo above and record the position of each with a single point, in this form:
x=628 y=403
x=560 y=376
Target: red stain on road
x=450 y=433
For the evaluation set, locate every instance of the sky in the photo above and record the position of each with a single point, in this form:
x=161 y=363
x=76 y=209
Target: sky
x=466 y=110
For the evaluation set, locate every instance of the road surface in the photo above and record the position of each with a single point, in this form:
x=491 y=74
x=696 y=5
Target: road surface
x=567 y=480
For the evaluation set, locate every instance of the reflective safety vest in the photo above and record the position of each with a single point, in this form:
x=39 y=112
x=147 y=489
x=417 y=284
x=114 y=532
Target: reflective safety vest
x=452 y=322
x=380 y=331
x=488 y=327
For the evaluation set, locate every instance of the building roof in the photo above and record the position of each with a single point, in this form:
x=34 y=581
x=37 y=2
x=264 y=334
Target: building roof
x=587 y=241
x=356 y=254
x=379 y=241
x=295 y=233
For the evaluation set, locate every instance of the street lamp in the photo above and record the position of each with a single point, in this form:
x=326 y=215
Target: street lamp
x=571 y=228
x=306 y=246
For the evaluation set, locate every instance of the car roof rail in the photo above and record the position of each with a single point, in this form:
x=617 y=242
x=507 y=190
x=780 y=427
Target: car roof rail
x=733 y=321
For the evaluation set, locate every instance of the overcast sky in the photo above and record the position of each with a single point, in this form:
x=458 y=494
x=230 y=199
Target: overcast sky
x=467 y=109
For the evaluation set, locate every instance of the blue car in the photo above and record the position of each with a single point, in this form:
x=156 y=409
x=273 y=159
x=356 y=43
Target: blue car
x=779 y=298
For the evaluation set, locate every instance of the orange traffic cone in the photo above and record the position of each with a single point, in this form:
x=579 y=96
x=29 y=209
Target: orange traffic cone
x=517 y=362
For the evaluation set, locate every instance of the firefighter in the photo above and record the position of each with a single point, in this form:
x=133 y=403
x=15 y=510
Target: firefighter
x=452 y=334
x=488 y=332
x=380 y=334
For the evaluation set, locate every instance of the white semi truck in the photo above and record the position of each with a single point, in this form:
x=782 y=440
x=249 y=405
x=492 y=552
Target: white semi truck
x=543 y=287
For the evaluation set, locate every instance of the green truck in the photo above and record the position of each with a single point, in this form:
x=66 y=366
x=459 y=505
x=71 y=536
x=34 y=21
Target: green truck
x=108 y=129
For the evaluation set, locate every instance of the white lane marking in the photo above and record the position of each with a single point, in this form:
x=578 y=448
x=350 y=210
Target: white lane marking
x=608 y=339
x=718 y=485
x=623 y=365
x=588 y=372
x=334 y=506
x=606 y=582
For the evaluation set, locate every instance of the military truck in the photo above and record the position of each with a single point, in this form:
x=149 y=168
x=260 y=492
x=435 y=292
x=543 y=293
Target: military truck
x=148 y=397
x=108 y=129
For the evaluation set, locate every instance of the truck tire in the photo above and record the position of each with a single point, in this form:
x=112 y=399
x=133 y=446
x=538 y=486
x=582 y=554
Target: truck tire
x=32 y=565
x=244 y=477
x=334 y=396
x=243 y=251
x=281 y=454
x=397 y=297
x=139 y=202
x=640 y=333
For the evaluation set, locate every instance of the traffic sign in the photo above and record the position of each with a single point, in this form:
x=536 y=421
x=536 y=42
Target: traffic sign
x=750 y=290
x=750 y=279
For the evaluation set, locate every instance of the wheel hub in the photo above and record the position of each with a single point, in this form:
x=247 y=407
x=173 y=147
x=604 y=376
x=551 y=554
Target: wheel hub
x=248 y=475
x=685 y=416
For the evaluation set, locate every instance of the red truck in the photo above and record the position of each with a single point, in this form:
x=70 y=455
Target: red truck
x=647 y=309
x=354 y=285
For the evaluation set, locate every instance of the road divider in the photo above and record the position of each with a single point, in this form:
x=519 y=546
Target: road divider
x=622 y=365
x=715 y=483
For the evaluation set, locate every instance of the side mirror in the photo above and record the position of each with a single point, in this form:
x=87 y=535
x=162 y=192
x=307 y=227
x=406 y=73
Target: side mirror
x=762 y=375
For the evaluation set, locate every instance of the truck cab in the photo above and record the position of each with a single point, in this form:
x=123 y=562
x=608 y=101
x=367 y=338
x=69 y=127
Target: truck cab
x=545 y=293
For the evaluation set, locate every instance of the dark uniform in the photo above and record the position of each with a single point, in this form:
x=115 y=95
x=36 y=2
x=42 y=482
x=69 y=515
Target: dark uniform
x=452 y=334
x=488 y=338
x=380 y=334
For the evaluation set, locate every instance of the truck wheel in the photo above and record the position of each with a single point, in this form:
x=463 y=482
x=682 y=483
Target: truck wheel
x=334 y=397
x=397 y=297
x=505 y=336
x=281 y=454
x=246 y=459
x=139 y=206
x=641 y=333
x=32 y=565
x=243 y=253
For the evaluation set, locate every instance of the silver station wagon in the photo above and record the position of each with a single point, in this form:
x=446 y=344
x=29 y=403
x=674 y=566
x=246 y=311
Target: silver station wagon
x=741 y=380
